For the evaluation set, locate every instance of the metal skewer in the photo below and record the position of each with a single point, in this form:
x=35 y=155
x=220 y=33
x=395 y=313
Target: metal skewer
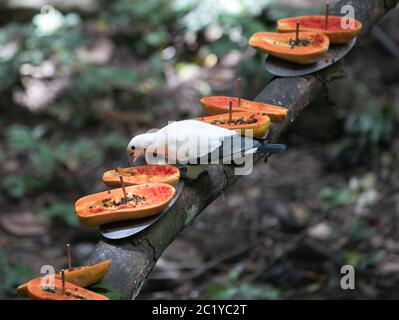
x=69 y=258
x=63 y=281
x=297 y=32
x=239 y=91
x=327 y=14
x=230 y=111
x=122 y=185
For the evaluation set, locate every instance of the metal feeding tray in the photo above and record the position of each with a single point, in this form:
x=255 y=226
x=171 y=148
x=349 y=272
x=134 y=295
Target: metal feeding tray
x=282 y=68
x=124 y=229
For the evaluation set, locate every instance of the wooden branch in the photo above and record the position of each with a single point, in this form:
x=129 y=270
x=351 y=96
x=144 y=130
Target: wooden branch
x=134 y=258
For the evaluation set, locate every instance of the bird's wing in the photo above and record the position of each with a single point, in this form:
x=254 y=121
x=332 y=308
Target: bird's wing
x=233 y=148
x=190 y=139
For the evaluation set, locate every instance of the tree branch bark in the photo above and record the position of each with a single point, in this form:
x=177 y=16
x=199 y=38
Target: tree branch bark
x=134 y=258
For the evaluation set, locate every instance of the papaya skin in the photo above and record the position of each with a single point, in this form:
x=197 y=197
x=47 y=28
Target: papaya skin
x=278 y=45
x=72 y=292
x=259 y=129
x=159 y=173
x=214 y=105
x=81 y=276
x=158 y=196
x=335 y=32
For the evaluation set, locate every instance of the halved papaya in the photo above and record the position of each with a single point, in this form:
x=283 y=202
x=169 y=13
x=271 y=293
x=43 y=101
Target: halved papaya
x=335 y=30
x=241 y=121
x=72 y=292
x=214 y=105
x=310 y=47
x=81 y=276
x=109 y=206
x=139 y=175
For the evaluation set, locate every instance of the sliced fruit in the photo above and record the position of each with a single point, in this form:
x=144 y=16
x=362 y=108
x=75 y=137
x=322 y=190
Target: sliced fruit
x=214 y=105
x=310 y=47
x=81 y=276
x=140 y=175
x=241 y=121
x=109 y=206
x=72 y=292
x=336 y=28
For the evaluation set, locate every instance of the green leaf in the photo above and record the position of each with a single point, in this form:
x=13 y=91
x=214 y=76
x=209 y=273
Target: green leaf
x=2 y=155
x=113 y=141
x=336 y=197
x=363 y=260
x=233 y=290
x=61 y=210
x=359 y=230
x=19 y=185
x=103 y=80
x=105 y=288
x=43 y=159
x=12 y=275
x=20 y=138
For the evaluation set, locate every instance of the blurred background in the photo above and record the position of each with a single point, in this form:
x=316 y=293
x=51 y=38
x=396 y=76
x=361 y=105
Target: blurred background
x=80 y=78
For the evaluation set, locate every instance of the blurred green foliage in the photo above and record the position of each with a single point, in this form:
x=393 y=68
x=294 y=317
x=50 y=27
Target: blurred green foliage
x=370 y=126
x=20 y=185
x=63 y=211
x=360 y=230
x=33 y=44
x=331 y=197
x=45 y=159
x=233 y=288
x=12 y=275
x=113 y=142
x=105 y=288
x=362 y=261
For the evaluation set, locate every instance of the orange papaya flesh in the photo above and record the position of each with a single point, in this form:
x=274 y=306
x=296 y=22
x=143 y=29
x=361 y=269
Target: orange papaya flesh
x=256 y=123
x=336 y=29
x=81 y=276
x=214 y=105
x=109 y=206
x=141 y=175
x=310 y=47
x=71 y=292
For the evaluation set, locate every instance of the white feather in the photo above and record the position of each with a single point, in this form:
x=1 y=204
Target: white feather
x=198 y=137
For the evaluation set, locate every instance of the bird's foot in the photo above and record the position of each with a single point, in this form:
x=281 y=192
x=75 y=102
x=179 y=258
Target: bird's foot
x=193 y=172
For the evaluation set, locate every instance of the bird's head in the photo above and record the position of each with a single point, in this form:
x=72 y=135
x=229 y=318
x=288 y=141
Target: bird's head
x=137 y=146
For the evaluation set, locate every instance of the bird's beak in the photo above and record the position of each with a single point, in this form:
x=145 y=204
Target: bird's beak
x=133 y=156
x=136 y=155
x=130 y=160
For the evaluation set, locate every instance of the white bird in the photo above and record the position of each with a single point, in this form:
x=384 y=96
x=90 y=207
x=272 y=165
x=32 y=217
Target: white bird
x=179 y=142
x=193 y=143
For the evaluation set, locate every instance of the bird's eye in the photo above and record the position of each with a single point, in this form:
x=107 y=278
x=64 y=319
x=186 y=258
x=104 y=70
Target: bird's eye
x=133 y=147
